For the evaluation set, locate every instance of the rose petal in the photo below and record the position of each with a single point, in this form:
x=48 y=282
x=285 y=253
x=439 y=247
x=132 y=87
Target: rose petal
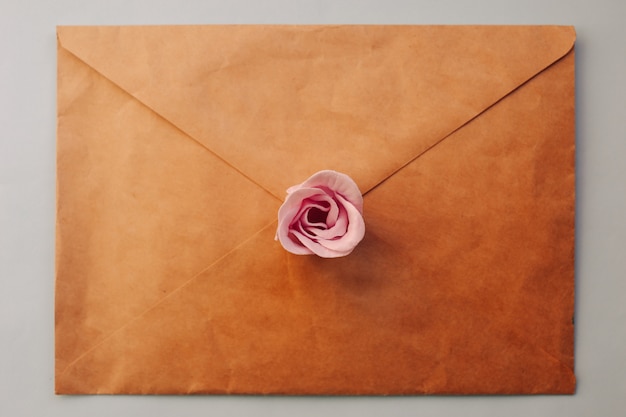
x=295 y=248
x=339 y=183
x=299 y=227
x=338 y=229
x=354 y=234
x=333 y=208
x=304 y=221
x=292 y=208
x=312 y=205
x=286 y=214
x=316 y=248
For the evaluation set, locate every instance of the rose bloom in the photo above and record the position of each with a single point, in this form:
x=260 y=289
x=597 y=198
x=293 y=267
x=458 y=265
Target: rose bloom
x=322 y=216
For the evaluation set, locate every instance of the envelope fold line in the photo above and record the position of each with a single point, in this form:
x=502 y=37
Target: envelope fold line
x=437 y=142
x=162 y=300
x=171 y=123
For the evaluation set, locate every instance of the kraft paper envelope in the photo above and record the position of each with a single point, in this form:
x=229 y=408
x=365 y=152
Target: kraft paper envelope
x=175 y=148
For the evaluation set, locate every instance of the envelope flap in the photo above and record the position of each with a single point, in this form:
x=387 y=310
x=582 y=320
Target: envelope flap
x=364 y=100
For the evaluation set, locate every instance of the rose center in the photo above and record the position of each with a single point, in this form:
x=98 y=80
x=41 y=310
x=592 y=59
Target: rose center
x=315 y=215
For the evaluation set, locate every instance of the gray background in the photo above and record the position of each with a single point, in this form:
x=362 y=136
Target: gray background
x=27 y=194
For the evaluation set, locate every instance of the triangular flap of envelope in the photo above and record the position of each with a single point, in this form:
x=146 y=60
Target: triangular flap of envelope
x=364 y=100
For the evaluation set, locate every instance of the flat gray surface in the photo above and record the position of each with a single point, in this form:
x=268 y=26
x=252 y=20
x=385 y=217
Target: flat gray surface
x=27 y=193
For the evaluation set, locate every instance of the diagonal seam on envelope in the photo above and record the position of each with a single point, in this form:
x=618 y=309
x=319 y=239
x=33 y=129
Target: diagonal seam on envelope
x=173 y=124
x=434 y=144
x=272 y=224
x=171 y=294
x=266 y=195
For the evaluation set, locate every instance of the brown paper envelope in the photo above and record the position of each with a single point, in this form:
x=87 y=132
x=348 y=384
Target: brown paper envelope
x=176 y=145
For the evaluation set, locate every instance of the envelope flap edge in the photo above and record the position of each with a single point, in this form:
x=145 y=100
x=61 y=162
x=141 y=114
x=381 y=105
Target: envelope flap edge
x=531 y=48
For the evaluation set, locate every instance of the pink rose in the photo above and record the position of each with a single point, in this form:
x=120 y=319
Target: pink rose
x=322 y=216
